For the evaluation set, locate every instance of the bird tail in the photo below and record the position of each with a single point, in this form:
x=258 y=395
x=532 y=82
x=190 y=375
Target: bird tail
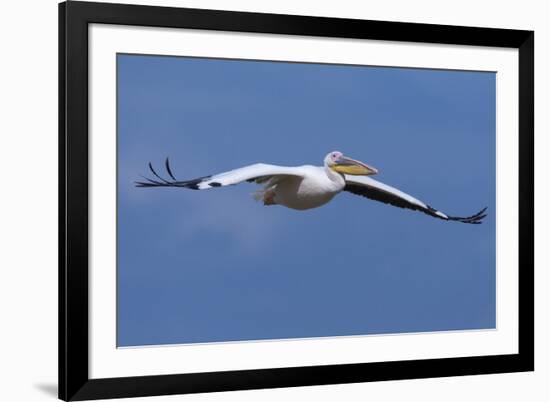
x=259 y=194
x=266 y=195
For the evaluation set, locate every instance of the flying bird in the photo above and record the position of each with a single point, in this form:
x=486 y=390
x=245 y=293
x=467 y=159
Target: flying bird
x=306 y=187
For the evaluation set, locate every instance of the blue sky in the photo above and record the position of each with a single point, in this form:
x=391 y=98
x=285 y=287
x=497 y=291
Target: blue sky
x=210 y=266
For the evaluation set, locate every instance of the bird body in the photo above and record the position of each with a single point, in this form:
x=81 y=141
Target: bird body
x=306 y=187
x=312 y=188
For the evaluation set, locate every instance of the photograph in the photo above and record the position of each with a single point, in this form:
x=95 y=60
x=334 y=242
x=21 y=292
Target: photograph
x=262 y=200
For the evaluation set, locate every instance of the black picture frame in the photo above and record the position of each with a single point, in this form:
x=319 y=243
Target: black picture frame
x=74 y=381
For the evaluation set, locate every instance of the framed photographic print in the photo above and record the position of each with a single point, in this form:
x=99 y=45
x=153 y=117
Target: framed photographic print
x=256 y=200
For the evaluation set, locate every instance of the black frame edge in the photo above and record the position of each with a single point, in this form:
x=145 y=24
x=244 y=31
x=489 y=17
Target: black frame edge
x=62 y=334
x=238 y=21
x=74 y=383
x=297 y=376
x=526 y=257
x=73 y=220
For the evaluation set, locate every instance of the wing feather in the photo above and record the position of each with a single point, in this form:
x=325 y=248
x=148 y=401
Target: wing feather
x=259 y=172
x=375 y=190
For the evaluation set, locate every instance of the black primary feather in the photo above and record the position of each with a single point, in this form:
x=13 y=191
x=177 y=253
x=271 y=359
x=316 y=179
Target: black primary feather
x=386 y=197
x=191 y=184
x=167 y=164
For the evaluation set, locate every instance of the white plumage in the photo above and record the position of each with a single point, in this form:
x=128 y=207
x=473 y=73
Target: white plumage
x=306 y=187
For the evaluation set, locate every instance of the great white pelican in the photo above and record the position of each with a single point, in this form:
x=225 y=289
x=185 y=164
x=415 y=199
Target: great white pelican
x=305 y=187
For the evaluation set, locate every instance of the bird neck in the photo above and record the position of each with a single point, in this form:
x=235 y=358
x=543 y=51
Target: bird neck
x=335 y=176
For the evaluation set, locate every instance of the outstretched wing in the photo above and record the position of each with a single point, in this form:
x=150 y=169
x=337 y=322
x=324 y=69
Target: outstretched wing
x=258 y=173
x=375 y=190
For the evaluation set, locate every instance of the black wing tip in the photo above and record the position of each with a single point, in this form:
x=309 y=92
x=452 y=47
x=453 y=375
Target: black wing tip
x=162 y=182
x=146 y=184
x=167 y=165
x=475 y=219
